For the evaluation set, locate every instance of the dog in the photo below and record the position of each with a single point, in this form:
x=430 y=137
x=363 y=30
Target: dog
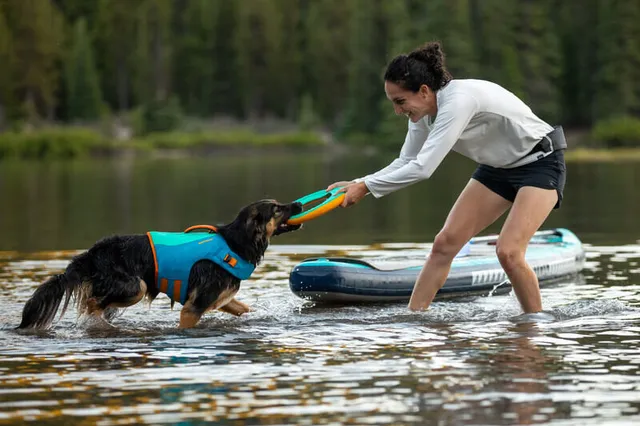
x=119 y=271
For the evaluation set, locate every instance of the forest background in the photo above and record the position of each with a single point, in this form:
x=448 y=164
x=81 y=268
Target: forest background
x=81 y=74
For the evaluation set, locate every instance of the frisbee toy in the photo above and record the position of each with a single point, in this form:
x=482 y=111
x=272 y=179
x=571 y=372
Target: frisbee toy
x=322 y=201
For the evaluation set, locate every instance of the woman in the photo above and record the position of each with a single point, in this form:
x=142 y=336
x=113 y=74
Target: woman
x=521 y=166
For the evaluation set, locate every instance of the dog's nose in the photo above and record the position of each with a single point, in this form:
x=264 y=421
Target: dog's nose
x=296 y=207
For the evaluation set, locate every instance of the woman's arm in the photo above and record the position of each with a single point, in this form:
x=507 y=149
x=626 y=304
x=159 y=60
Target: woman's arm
x=413 y=141
x=453 y=117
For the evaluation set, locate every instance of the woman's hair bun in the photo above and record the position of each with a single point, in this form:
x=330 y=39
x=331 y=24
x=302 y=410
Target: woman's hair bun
x=431 y=54
x=424 y=65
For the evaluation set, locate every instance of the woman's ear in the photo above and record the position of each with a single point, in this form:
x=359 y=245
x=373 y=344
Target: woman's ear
x=425 y=91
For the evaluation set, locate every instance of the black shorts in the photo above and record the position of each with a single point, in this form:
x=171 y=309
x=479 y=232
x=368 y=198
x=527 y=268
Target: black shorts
x=549 y=172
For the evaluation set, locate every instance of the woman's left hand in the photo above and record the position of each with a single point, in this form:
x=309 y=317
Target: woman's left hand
x=354 y=193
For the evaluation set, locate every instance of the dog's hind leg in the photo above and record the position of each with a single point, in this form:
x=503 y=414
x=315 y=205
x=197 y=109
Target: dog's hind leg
x=126 y=293
x=235 y=307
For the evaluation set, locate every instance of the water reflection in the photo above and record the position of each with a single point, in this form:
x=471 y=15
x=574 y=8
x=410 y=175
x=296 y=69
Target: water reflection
x=70 y=205
x=476 y=361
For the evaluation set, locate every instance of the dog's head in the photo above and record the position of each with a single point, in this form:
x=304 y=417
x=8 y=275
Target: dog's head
x=250 y=233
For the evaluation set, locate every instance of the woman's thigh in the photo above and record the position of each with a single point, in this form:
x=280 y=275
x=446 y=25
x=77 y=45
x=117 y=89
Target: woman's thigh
x=476 y=208
x=530 y=209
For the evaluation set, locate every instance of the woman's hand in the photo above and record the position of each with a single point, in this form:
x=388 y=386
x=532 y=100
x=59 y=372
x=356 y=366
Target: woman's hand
x=354 y=192
x=341 y=183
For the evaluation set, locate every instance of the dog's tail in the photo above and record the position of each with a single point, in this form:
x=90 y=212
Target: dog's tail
x=41 y=308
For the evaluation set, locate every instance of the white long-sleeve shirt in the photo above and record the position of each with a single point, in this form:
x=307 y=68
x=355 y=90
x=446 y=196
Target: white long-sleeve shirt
x=478 y=119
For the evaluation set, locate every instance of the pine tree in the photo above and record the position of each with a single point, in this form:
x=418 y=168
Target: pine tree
x=539 y=61
x=365 y=68
x=268 y=56
x=226 y=99
x=195 y=65
x=84 y=99
x=617 y=87
x=76 y=9
x=153 y=52
x=448 y=21
x=326 y=56
x=494 y=24
x=575 y=22
x=116 y=31
x=392 y=128
x=37 y=29
x=6 y=59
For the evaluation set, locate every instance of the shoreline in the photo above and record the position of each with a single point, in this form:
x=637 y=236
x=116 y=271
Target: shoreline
x=76 y=142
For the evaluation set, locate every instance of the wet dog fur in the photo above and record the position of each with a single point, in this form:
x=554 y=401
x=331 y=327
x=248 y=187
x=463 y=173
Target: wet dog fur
x=119 y=271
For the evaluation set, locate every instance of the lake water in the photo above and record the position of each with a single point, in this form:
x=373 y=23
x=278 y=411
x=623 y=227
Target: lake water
x=474 y=361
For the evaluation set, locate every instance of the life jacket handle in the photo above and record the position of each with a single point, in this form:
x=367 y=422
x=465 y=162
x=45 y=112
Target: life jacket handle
x=209 y=228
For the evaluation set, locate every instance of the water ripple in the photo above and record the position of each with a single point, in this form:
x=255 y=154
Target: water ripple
x=475 y=361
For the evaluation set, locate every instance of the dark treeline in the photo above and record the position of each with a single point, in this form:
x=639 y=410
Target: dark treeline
x=316 y=62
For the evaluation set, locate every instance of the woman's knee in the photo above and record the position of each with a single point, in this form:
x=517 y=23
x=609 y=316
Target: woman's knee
x=509 y=255
x=447 y=244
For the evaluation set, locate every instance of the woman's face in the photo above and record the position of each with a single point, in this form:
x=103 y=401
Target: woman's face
x=414 y=105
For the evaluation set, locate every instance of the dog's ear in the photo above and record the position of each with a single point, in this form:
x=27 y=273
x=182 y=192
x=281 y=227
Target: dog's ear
x=250 y=232
x=258 y=216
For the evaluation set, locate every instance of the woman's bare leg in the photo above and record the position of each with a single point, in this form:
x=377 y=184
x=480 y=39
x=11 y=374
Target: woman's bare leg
x=530 y=209
x=476 y=208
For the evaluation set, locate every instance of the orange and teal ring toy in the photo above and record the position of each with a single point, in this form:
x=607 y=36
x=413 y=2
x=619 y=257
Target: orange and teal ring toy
x=330 y=200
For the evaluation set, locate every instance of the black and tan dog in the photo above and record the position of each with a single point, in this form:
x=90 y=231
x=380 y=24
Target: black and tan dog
x=119 y=271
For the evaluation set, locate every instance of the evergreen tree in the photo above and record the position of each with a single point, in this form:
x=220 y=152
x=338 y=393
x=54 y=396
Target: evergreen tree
x=226 y=99
x=116 y=31
x=84 y=99
x=449 y=22
x=392 y=127
x=538 y=53
x=37 y=33
x=575 y=22
x=249 y=45
x=6 y=59
x=617 y=87
x=153 y=52
x=76 y=9
x=365 y=68
x=326 y=56
x=194 y=71
x=494 y=24
x=268 y=60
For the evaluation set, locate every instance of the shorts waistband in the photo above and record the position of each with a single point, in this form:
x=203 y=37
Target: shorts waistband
x=552 y=141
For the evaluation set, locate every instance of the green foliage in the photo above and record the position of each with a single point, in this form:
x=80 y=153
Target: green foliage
x=51 y=143
x=160 y=116
x=268 y=57
x=317 y=63
x=538 y=56
x=326 y=56
x=84 y=100
x=618 y=132
x=307 y=119
x=37 y=34
x=222 y=139
x=73 y=142
x=115 y=35
x=365 y=81
x=6 y=59
x=617 y=71
x=449 y=22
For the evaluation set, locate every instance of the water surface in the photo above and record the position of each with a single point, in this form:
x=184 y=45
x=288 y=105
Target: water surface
x=472 y=361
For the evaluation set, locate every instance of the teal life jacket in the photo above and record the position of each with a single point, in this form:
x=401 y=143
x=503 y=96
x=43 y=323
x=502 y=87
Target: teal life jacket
x=175 y=253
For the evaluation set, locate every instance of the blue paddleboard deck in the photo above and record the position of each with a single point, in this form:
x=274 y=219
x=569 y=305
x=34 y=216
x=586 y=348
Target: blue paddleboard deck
x=553 y=255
